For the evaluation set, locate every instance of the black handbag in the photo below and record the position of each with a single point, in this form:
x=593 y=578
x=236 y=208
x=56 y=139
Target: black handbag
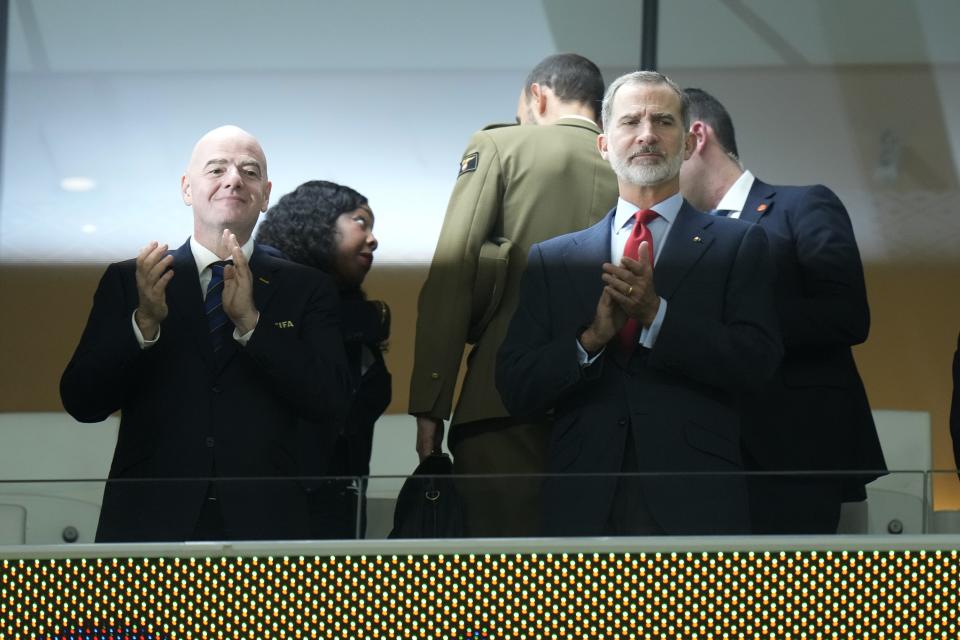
x=428 y=505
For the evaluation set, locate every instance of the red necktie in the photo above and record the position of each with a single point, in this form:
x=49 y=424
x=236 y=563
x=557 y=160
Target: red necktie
x=640 y=233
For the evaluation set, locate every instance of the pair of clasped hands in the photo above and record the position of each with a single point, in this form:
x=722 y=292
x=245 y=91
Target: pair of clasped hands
x=628 y=293
x=154 y=274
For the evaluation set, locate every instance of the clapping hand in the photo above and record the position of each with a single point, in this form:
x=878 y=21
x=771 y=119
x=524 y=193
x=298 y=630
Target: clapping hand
x=238 y=288
x=152 y=275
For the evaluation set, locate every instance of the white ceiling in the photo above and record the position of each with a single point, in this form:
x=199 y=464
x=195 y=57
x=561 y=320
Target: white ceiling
x=71 y=36
x=378 y=94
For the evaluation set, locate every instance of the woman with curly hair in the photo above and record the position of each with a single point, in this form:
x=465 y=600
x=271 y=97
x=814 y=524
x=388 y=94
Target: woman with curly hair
x=330 y=227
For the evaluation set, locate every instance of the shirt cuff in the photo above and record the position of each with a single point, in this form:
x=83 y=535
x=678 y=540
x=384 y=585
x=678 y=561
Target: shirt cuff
x=648 y=335
x=143 y=342
x=245 y=338
x=584 y=358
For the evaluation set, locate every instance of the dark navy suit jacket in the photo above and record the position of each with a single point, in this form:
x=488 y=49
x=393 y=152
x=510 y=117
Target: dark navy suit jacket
x=188 y=413
x=719 y=337
x=813 y=414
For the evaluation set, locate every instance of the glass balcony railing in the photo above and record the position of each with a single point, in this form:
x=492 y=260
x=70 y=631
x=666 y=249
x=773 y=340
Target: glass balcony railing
x=66 y=512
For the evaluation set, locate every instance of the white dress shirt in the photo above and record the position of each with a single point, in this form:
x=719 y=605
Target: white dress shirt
x=736 y=196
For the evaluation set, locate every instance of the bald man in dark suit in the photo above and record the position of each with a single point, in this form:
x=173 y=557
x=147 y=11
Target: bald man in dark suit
x=217 y=356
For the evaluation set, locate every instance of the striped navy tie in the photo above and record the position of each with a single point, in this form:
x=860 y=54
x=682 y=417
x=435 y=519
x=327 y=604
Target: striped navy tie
x=217 y=320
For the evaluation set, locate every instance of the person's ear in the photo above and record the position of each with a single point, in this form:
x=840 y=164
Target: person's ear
x=697 y=137
x=538 y=97
x=266 y=196
x=185 y=191
x=689 y=145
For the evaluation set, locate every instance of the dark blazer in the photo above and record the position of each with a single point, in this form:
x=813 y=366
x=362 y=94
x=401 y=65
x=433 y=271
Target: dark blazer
x=345 y=454
x=718 y=338
x=813 y=413
x=365 y=325
x=186 y=413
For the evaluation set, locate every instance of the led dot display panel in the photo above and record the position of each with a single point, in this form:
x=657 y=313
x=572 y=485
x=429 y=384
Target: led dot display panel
x=711 y=595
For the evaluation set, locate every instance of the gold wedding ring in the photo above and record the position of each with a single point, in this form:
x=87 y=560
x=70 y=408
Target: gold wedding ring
x=630 y=291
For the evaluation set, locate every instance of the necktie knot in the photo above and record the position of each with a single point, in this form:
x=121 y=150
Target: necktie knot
x=216 y=275
x=645 y=216
x=640 y=233
x=217 y=267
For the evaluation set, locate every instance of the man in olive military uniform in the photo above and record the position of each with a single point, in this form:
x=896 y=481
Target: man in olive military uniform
x=517 y=185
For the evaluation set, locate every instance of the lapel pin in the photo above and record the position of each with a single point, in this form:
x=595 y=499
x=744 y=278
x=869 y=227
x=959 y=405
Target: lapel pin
x=697 y=239
x=263 y=280
x=762 y=207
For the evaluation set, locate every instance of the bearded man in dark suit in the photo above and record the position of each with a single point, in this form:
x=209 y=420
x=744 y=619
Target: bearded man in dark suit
x=639 y=334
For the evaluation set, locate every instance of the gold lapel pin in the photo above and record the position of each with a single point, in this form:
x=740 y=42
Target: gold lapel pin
x=697 y=239
x=762 y=207
x=263 y=280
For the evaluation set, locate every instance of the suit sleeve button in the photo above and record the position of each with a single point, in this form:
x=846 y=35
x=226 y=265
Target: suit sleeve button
x=209 y=441
x=215 y=389
x=434 y=376
x=622 y=422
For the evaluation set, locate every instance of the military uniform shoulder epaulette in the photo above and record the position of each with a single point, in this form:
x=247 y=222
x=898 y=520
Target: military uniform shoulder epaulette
x=499 y=125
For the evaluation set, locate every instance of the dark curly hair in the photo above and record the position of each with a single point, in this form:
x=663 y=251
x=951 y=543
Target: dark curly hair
x=303 y=223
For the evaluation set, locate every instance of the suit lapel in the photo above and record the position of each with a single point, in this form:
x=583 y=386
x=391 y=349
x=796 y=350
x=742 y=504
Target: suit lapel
x=759 y=202
x=583 y=259
x=688 y=239
x=185 y=300
x=263 y=267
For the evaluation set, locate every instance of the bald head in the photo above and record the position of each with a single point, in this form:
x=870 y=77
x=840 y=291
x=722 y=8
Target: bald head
x=226 y=184
x=227 y=133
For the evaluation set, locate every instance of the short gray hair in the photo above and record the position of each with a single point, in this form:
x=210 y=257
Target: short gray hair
x=644 y=77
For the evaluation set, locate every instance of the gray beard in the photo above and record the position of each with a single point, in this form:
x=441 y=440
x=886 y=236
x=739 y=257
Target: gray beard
x=646 y=175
